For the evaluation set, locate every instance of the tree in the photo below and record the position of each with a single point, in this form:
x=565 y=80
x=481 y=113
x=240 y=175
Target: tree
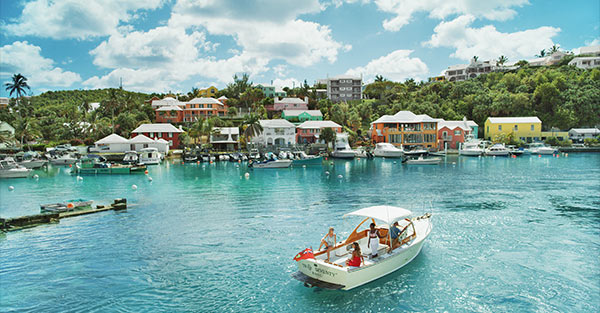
x=475 y=58
x=17 y=86
x=328 y=135
x=232 y=111
x=379 y=78
x=253 y=129
x=542 y=53
x=501 y=60
x=553 y=49
x=522 y=63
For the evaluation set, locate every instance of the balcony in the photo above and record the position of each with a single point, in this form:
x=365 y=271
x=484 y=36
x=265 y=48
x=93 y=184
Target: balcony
x=447 y=138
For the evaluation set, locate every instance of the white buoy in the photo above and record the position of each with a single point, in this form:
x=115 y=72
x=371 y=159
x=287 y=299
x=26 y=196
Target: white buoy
x=304 y=165
x=11 y=188
x=326 y=172
x=395 y=162
x=247 y=175
x=36 y=176
x=149 y=178
x=134 y=187
x=340 y=176
x=79 y=178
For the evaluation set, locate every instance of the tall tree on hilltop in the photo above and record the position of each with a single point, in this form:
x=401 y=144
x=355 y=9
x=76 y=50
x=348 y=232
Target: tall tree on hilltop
x=553 y=49
x=542 y=53
x=379 y=78
x=17 y=86
x=501 y=60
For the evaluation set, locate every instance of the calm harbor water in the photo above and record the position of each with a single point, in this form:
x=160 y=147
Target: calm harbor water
x=509 y=235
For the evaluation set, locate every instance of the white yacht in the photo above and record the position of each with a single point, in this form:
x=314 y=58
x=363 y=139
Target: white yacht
x=10 y=169
x=64 y=159
x=150 y=156
x=32 y=160
x=342 y=149
x=131 y=157
x=388 y=150
x=471 y=148
x=540 y=148
x=315 y=270
x=497 y=150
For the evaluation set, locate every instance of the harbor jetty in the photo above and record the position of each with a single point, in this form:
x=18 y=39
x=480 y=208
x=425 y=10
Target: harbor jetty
x=29 y=221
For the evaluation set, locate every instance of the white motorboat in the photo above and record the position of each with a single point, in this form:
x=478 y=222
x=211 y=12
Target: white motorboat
x=131 y=157
x=387 y=150
x=150 y=156
x=33 y=163
x=540 y=148
x=270 y=164
x=314 y=270
x=342 y=148
x=424 y=161
x=471 y=148
x=416 y=152
x=10 y=169
x=254 y=154
x=64 y=159
x=497 y=150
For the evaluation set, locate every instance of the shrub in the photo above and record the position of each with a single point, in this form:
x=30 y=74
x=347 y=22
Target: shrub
x=76 y=142
x=88 y=141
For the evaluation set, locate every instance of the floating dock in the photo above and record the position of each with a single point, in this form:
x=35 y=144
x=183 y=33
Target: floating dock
x=29 y=221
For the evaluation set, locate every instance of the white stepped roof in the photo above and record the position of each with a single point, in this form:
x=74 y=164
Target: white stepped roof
x=404 y=117
x=227 y=130
x=141 y=139
x=585 y=130
x=319 y=124
x=298 y=112
x=112 y=138
x=525 y=119
x=205 y=101
x=385 y=213
x=157 y=128
x=277 y=123
x=169 y=108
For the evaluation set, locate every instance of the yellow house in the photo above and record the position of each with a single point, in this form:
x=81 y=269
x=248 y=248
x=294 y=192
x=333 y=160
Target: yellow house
x=210 y=92
x=528 y=129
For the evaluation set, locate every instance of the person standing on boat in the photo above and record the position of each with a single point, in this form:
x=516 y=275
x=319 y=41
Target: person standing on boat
x=394 y=234
x=329 y=241
x=357 y=257
x=373 y=242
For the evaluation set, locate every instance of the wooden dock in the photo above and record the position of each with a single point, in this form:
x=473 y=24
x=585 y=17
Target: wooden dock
x=29 y=221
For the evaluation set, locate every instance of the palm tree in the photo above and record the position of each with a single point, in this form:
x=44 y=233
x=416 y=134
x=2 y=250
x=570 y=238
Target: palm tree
x=542 y=54
x=379 y=78
x=475 y=58
x=254 y=128
x=553 y=49
x=501 y=60
x=18 y=86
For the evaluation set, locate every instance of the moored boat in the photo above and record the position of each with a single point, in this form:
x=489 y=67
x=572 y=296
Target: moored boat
x=93 y=166
x=270 y=164
x=387 y=150
x=471 y=148
x=64 y=159
x=423 y=161
x=10 y=169
x=67 y=206
x=315 y=270
x=540 y=148
x=497 y=150
x=131 y=157
x=342 y=148
x=301 y=158
x=150 y=156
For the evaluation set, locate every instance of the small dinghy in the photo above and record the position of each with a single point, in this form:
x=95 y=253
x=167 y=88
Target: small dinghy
x=424 y=161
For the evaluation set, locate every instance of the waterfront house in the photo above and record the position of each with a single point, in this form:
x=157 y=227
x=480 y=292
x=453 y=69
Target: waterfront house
x=202 y=108
x=9 y=131
x=452 y=133
x=309 y=131
x=288 y=104
x=164 y=131
x=302 y=115
x=580 y=134
x=586 y=62
x=223 y=99
x=208 y=92
x=277 y=132
x=405 y=129
x=225 y=138
x=527 y=129
x=3 y=102
x=140 y=142
x=343 y=88
x=271 y=91
x=169 y=114
x=112 y=143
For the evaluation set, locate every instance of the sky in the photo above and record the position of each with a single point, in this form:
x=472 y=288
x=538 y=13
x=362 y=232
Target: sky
x=174 y=45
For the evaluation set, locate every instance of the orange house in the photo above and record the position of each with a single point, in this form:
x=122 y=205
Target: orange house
x=202 y=108
x=405 y=129
x=169 y=114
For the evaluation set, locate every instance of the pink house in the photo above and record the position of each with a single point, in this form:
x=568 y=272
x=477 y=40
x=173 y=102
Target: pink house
x=309 y=131
x=451 y=133
x=288 y=104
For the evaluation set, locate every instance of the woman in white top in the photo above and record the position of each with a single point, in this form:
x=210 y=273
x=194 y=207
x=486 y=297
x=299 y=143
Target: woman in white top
x=373 y=242
x=329 y=241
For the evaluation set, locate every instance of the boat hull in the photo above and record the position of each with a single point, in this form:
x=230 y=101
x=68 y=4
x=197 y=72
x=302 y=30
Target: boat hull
x=471 y=152
x=343 y=154
x=15 y=173
x=388 y=154
x=310 y=161
x=432 y=161
x=272 y=164
x=33 y=164
x=497 y=153
x=62 y=161
x=109 y=170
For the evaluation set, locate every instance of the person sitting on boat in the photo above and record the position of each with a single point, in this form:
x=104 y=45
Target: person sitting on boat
x=357 y=257
x=395 y=234
x=373 y=242
x=329 y=241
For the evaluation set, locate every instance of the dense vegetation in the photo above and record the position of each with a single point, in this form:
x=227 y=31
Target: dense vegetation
x=561 y=96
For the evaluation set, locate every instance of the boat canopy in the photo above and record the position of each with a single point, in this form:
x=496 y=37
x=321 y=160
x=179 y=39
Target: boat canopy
x=385 y=213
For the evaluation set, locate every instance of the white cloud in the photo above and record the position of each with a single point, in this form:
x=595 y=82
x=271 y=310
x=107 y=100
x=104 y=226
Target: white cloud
x=272 y=31
x=404 y=9
x=487 y=42
x=22 y=57
x=74 y=18
x=143 y=80
x=397 y=66
x=286 y=82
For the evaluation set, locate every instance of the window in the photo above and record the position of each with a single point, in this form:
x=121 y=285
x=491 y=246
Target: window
x=516 y=127
x=430 y=138
x=499 y=127
x=396 y=138
x=488 y=129
x=170 y=143
x=170 y=134
x=457 y=133
x=413 y=138
x=532 y=127
x=159 y=135
x=151 y=135
x=445 y=133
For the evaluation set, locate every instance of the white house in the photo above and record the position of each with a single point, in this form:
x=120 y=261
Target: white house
x=278 y=132
x=580 y=134
x=140 y=142
x=7 y=129
x=585 y=62
x=166 y=101
x=225 y=138
x=112 y=143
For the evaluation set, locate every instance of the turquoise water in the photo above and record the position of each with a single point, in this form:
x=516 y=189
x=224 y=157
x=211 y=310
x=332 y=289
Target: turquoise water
x=509 y=235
